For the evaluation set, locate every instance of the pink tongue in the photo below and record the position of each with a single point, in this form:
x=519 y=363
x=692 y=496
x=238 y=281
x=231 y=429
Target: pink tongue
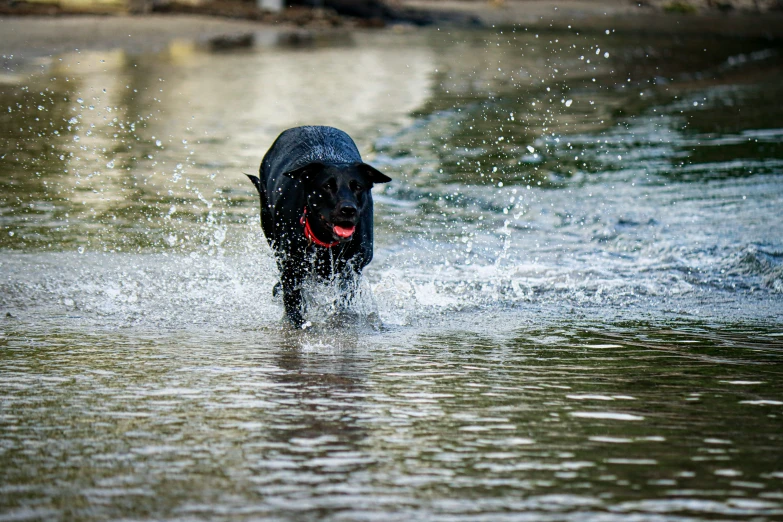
x=343 y=232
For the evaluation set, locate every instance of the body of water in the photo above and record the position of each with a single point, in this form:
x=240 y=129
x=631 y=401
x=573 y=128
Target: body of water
x=575 y=311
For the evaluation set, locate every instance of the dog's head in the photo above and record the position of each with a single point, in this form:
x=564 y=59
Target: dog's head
x=337 y=197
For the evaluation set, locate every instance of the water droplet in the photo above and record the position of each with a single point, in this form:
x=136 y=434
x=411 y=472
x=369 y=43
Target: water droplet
x=80 y=250
x=158 y=143
x=11 y=233
x=568 y=103
x=79 y=101
x=110 y=165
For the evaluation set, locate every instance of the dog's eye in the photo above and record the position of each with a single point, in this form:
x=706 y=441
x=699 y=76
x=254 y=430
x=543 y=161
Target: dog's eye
x=330 y=185
x=355 y=186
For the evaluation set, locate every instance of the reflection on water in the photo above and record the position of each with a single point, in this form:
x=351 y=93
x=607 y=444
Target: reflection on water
x=140 y=142
x=569 y=421
x=578 y=277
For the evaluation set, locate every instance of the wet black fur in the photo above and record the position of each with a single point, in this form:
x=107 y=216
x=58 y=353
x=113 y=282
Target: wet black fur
x=318 y=168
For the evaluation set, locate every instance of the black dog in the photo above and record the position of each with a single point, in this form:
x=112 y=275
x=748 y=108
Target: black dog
x=316 y=209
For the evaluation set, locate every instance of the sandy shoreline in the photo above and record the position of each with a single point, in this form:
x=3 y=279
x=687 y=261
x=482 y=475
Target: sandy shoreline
x=617 y=15
x=31 y=36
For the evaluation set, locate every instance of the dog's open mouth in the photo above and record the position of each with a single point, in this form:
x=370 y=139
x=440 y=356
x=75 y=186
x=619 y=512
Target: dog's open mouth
x=343 y=231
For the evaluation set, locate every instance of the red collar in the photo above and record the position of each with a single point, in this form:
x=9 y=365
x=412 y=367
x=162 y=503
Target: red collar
x=308 y=232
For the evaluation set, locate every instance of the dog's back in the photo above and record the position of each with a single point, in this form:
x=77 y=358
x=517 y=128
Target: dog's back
x=300 y=146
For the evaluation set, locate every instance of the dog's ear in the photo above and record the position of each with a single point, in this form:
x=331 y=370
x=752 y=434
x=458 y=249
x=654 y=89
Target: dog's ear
x=306 y=172
x=373 y=174
x=256 y=182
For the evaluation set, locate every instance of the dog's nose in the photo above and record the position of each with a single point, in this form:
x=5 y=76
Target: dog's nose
x=347 y=210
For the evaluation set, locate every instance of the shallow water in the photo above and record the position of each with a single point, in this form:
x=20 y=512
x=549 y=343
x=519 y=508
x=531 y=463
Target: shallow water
x=574 y=313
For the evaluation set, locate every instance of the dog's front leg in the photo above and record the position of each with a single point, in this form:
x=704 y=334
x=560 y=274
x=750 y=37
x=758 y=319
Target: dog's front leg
x=292 y=295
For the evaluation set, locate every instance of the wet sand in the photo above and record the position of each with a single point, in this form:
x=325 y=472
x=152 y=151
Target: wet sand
x=30 y=36
x=617 y=15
